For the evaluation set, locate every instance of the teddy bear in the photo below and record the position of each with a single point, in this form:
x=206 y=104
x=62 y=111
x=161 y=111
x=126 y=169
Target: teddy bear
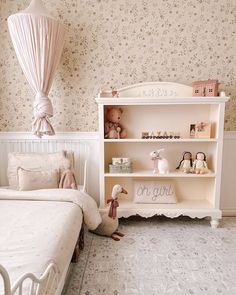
x=113 y=128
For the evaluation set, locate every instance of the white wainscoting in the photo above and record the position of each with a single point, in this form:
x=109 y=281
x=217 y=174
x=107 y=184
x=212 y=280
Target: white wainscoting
x=84 y=144
x=25 y=142
x=228 y=184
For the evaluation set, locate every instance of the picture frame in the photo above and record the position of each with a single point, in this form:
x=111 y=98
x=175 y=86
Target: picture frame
x=192 y=130
x=200 y=129
x=203 y=130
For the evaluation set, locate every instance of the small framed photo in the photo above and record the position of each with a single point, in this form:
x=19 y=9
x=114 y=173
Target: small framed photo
x=192 y=130
x=200 y=130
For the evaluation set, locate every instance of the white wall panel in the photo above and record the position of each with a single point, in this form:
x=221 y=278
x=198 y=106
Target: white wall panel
x=228 y=185
x=84 y=145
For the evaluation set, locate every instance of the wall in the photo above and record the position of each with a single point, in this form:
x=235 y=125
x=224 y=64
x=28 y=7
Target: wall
x=115 y=43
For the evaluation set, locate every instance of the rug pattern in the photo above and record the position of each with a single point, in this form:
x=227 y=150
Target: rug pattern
x=158 y=256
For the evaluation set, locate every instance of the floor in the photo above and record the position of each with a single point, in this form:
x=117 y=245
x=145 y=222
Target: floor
x=159 y=256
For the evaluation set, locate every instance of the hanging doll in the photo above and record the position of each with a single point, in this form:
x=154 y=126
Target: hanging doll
x=200 y=164
x=186 y=164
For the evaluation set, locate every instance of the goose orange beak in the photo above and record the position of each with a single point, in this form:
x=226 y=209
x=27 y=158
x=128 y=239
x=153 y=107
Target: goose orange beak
x=123 y=191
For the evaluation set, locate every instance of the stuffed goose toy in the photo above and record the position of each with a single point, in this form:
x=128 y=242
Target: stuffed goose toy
x=109 y=225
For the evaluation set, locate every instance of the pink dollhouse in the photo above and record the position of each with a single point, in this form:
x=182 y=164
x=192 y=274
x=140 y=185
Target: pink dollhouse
x=205 y=88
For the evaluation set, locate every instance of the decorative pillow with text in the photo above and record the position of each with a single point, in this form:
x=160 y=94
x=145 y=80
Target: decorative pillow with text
x=155 y=192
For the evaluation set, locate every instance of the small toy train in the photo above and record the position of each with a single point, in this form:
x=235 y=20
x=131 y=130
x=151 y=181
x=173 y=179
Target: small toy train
x=160 y=135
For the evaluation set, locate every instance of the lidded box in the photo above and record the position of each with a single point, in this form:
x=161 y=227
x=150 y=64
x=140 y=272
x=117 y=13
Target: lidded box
x=120 y=169
x=121 y=161
x=120 y=165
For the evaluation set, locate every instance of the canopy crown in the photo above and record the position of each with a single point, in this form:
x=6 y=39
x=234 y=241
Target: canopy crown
x=37 y=7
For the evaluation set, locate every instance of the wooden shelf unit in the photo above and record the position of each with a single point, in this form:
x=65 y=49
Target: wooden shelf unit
x=164 y=106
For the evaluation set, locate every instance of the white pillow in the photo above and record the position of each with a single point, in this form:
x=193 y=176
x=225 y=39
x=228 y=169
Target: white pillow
x=36 y=162
x=29 y=180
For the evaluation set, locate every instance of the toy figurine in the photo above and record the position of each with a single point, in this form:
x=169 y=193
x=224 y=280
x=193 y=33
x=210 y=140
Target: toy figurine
x=186 y=164
x=200 y=164
x=114 y=92
x=162 y=166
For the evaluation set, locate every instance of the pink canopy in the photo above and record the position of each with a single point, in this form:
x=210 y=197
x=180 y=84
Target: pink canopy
x=38 y=40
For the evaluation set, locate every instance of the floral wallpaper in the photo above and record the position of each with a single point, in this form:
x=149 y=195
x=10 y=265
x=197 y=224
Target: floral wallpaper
x=117 y=43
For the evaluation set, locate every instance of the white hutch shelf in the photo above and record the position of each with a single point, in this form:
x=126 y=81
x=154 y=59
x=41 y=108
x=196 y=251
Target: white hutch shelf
x=149 y=173
x=164 y=106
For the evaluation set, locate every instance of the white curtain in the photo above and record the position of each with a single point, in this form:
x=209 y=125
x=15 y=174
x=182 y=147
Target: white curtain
x=38 y=41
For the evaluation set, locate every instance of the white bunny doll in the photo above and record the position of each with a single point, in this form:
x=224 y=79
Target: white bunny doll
x=162 y=164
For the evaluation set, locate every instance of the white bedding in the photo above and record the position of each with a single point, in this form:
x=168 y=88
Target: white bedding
x=39 y=227
x=89 y=207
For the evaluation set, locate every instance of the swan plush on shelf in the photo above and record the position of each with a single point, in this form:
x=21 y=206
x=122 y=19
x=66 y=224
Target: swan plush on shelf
x=110 y=222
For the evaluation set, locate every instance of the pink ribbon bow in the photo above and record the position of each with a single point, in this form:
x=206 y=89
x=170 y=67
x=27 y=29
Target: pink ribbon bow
x=113 y=206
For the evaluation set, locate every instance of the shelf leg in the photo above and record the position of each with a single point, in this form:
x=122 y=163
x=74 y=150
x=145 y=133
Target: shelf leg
x=214 y=222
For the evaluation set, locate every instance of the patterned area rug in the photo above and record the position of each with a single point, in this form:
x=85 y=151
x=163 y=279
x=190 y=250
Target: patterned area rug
x=158 y=256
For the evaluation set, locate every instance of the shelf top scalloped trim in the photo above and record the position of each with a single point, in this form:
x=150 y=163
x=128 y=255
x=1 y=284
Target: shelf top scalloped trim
x=155 y=92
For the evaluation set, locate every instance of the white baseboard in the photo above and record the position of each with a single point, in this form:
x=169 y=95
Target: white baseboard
x=229 y=213
x=228 y=179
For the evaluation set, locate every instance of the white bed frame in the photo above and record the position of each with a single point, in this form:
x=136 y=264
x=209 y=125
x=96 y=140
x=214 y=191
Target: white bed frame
x=49 y=282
